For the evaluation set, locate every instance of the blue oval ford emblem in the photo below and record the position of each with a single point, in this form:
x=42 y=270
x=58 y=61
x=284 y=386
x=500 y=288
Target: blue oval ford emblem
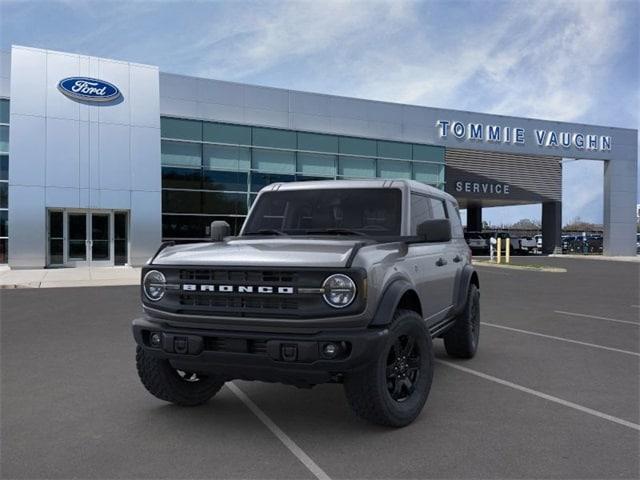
x=89 y=89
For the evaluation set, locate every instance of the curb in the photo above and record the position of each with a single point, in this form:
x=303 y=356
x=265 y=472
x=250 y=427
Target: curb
x=521 y=267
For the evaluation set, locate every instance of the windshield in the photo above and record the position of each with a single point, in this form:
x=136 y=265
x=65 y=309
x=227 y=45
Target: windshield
x=361 y=211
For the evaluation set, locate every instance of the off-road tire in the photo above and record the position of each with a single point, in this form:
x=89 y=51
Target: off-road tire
x=164 y=382
x=368 y=390
x=461 y=341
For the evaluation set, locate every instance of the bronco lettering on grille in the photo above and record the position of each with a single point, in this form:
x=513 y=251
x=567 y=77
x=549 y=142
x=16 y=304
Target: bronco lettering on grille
x=264 y=289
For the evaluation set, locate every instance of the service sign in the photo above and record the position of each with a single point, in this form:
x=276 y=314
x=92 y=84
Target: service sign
x=88 y=89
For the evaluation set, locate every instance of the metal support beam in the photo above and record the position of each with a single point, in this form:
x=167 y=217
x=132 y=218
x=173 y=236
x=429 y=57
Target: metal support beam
x=551 y=227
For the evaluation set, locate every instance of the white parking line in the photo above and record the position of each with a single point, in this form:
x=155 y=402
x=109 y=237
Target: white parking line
x=596 y=317
x=536 y=393
x=562 y=339
x=283 y=437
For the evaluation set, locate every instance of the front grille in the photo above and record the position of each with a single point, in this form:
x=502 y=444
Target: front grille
x=237 y=345
x=204 y=296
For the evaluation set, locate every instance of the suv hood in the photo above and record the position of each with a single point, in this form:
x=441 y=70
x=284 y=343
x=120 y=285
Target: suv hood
x=256 y=252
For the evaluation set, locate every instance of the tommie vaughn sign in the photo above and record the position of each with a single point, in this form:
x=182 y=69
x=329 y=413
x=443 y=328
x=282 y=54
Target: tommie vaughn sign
x=478 y=132
x=88 y=89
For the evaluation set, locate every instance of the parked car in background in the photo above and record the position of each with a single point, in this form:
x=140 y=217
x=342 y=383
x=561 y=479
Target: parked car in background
x=528 y=244
x=477 y=242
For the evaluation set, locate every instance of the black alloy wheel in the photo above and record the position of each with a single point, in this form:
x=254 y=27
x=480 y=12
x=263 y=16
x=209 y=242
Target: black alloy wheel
x=403 y=368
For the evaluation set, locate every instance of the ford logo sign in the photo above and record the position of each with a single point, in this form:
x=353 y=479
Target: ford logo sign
x=89 y=89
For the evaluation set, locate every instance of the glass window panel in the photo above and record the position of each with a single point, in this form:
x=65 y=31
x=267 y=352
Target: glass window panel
x=307 y=178
x=4 y=139
x=226 y=157
x=179 y=153
x=4 y=167
x=358 y=146
x=173 y=177
x=428 y=153
x=274 y=161
x=178 y=128
x=357 y=167
x=271 y=137
x=56 y=248
x=225 y=133
x=437 y=209
x=419 y=211
x=394 y=169
x=4 y=251
x=4 y=223
x=4 y=194
x=394 y=150
x=430 y=173
x=318 y=143
x=261 y=180
x=4 y=111
x=218 y=180
x=230 y=203
x=175 y=201
x=55 y=225
x=120 y=242
x=192 y=227
x=317 y=164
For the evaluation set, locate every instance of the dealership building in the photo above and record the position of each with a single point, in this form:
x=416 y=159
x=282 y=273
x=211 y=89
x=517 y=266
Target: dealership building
x=101 y=160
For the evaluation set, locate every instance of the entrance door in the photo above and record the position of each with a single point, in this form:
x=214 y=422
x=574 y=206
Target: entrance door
x=100 y=241
x=87 y=238
x=77 y=240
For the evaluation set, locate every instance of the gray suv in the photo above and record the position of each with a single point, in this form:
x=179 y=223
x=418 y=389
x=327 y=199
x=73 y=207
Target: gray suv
x=331 y=281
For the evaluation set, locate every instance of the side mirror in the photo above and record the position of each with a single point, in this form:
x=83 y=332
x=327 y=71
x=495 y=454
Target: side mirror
x=219 y=230
x=435 y=230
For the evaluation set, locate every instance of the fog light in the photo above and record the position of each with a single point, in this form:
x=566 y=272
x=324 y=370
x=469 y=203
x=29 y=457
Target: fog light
x=155 y=339
x=330 y=350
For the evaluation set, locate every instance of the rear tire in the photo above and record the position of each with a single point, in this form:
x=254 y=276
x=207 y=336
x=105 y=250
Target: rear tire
x=393 y=389
x=462 y=339
x=171 y=385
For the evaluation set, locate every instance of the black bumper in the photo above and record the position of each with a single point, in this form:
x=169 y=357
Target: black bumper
x=297 y=359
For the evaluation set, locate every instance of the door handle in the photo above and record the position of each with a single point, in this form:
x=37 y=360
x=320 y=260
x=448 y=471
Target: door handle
x=457 y=259
x=441 y=262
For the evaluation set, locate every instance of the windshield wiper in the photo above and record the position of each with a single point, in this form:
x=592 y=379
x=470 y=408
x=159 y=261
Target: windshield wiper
x=337 y=231
x=266 y=231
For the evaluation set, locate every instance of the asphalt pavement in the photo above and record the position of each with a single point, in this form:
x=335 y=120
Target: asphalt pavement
x=552 y=393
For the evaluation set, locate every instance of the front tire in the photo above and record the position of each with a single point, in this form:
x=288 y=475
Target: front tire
x=174 y=386
x=392 y=390
x=461 y=341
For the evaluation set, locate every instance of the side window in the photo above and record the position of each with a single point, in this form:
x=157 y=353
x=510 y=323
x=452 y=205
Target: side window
x=420 y=211
x=437 y=208
x=456 y=223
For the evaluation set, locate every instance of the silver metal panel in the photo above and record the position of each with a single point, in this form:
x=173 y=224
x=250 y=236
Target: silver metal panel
x=144 y=97
x=342 y=107
x=265 y=98
x=303 y=121
x=84 y=156
x=59 y=66
x=114 y=156
x=63 y=153
x=62 y=197
x=145 y=155
x=27 y=142
x=177 y=107
x=310 y=103
x=223 y=93
x=118 y=74
x=94 y=155
x=179 y=87
x=146 y=225
x=28 y=81
x=224 y=113
x=28 y=227
x=5 y=73
x=269 y=118
x=115 y=199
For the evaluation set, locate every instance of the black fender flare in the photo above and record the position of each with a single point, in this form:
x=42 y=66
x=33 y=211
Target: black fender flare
x=389 y=302
x=468 y=276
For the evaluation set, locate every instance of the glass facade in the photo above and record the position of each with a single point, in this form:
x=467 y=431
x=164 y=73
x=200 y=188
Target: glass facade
x=4 y=180
x=212 y=171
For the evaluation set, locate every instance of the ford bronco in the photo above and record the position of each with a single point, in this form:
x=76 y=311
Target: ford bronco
x=328 y=281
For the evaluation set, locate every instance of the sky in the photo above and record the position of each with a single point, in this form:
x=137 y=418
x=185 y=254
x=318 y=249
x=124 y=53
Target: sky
x=558 y=60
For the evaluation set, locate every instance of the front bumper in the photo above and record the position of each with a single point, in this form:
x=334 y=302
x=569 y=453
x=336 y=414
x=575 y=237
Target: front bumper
x=297 y=359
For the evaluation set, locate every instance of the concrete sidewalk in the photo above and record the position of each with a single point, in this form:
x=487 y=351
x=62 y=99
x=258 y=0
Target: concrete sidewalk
x=69 y=277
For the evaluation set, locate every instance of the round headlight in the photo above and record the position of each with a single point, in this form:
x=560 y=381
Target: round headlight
x=154 y=285
x=339 y=290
